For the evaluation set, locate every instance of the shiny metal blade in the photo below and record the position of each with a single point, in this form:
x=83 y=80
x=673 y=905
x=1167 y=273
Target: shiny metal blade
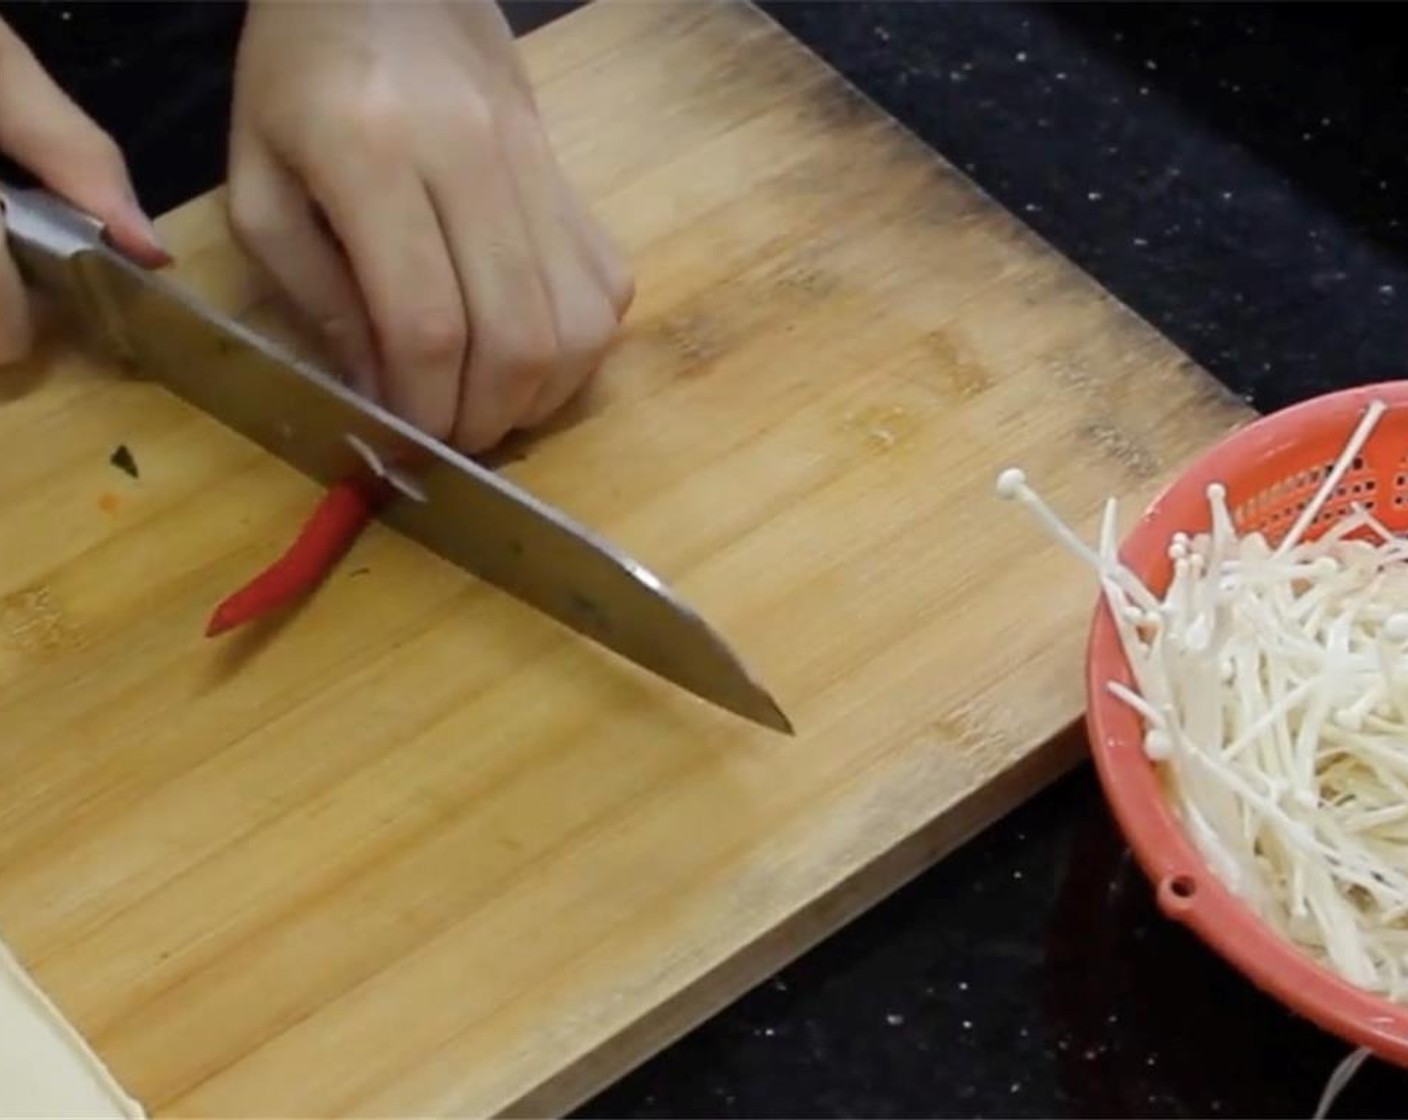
x=467 y=514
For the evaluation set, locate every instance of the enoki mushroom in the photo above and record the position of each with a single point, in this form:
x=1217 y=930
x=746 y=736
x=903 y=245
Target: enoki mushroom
x=1271 y=682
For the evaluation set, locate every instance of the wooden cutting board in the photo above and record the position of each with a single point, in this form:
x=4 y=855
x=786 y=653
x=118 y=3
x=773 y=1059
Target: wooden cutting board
x=420 y=851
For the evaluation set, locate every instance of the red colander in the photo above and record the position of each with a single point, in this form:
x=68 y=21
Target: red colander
x=1271 y=468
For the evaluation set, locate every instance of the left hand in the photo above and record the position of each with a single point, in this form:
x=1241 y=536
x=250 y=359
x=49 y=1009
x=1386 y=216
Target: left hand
x=389 y=169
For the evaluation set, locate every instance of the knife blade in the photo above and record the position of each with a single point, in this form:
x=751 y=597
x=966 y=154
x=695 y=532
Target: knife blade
x=457 y=508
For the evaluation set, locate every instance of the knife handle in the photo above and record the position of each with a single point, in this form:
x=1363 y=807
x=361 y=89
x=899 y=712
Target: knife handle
x=45 y=234
x=54 y=246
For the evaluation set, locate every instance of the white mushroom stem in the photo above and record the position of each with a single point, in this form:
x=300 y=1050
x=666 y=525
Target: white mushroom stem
x=1271 y=685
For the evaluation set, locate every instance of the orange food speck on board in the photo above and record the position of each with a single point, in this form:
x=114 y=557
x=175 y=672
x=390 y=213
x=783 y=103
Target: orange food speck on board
x=108 y=503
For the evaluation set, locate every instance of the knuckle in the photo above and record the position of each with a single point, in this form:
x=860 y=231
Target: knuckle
x=525 y=345
x=532 y=353
x=471 y=117
x=614 y=269
x=433 y=336
x=373 y=118
x=375 y=109
x=586 y=335
x=622 y=291
x=251 y=220
x=254 y=214
x=527 y=350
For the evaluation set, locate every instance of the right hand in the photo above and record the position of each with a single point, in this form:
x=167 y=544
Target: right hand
x=43 y=131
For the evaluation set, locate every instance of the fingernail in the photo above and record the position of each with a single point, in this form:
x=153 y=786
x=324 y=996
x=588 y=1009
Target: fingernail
x=149 y=228
x=137 y=238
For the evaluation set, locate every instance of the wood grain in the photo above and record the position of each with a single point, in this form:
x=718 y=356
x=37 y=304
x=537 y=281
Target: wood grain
x=418 y=851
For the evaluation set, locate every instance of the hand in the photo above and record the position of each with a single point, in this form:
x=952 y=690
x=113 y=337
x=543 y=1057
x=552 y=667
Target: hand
x=47 y=134
x=389 y=170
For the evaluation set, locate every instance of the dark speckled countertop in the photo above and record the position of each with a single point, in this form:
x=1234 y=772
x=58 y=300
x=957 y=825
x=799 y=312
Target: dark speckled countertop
x=1239 y=176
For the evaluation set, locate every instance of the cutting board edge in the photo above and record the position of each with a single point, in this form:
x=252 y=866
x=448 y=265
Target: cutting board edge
x=951 y=828
x=1239 y=410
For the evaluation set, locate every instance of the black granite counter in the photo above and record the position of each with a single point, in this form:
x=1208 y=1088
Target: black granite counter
x=1239 y=176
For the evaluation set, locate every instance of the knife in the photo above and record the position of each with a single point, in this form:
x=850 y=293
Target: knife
x=458 y=509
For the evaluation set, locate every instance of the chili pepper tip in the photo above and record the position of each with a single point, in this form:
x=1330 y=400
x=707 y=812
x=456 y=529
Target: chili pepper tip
x=335 y=524
x=219 y=622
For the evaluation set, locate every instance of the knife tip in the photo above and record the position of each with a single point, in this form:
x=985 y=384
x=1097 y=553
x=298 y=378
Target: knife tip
x=770 y=714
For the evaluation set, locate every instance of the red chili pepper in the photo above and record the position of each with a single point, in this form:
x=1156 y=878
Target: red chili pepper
x=325 y=537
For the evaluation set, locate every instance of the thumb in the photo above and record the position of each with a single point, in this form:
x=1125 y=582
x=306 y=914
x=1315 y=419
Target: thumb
x=52 y=138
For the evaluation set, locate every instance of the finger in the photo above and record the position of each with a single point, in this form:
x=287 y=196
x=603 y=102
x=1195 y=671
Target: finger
x=380 y=211
x=16 y=323
x=514 y=344
x=584 y=310
x=274 y=219
x=42 y=129
x=585 y=325
x=607 y=260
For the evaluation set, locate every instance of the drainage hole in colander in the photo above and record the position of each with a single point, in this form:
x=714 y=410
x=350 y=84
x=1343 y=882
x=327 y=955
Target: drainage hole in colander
x=1177 y=892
